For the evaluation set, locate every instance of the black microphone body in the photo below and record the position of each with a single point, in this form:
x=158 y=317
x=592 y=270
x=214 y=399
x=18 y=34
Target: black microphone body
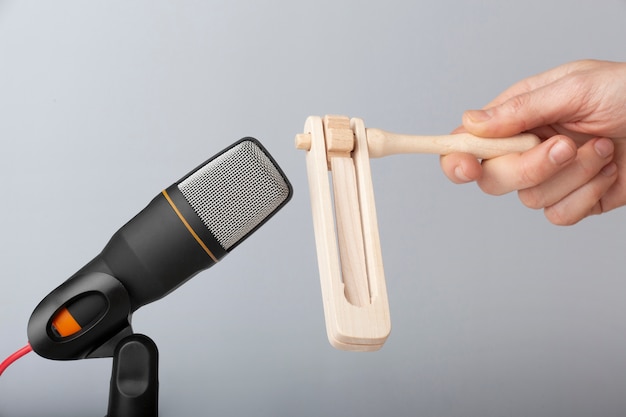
x=185 y=229
x=139 y=254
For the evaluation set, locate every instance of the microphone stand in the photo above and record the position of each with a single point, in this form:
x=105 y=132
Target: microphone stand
x=134 y=388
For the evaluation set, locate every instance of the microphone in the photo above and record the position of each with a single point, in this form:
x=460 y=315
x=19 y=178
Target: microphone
x=186 y=229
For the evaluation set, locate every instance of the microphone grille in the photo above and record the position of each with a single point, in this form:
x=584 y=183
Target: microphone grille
x=236 y=191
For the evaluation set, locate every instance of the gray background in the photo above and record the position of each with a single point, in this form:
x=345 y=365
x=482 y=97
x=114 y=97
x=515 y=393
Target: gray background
x=495 y=312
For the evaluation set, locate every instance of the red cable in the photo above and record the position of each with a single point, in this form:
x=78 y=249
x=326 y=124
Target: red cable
x=8 y=361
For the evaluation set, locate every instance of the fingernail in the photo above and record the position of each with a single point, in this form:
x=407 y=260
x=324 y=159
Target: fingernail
x=479 y=116
x=561 y=152
x=609 y=170
x=458 y=172
x=604 y=147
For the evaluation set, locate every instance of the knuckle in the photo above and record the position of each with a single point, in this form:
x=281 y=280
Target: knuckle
x=516 y=174
x=516 y=105
x=491 y=186
x=487 y=187
x=487 y=182
x=518 y=102
x=580 y=88
x=586 y=63
x=578 y=80
x=529 y=175
x=597 y=191
x=588 y=169
x=531 y=198
x=560 y=216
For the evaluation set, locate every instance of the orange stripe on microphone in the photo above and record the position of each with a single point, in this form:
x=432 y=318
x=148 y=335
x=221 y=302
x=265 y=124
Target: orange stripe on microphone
x=65 y=324
x=188 y=226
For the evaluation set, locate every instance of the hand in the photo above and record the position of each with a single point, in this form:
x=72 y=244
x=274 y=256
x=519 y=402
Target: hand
x=579 y=111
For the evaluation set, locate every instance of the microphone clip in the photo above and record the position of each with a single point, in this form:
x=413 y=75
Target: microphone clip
x=85 y=317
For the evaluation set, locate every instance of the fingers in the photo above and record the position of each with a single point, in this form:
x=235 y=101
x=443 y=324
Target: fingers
x=590 y=160
x=513 y=171
x=568 y=183
x=560 y=95
x=550 y=104
x=584 y=201
x=524 y=170
x=576 y=191
x=461 y=168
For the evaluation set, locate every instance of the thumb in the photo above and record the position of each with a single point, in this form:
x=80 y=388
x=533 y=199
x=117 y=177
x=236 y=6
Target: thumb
x=521 y=113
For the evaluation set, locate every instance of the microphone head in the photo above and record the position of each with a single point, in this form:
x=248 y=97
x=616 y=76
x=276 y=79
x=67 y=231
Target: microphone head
x=237 y=191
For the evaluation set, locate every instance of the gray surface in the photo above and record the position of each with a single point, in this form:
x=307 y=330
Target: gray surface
x=495 y=312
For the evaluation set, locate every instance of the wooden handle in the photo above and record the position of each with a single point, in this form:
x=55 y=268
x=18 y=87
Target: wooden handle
x=381 y=143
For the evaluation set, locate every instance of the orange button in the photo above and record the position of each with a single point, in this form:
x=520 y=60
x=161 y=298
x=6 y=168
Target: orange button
x=65 y=324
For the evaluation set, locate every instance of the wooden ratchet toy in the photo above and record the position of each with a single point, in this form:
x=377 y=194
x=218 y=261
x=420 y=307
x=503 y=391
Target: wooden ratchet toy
x=349 y=255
